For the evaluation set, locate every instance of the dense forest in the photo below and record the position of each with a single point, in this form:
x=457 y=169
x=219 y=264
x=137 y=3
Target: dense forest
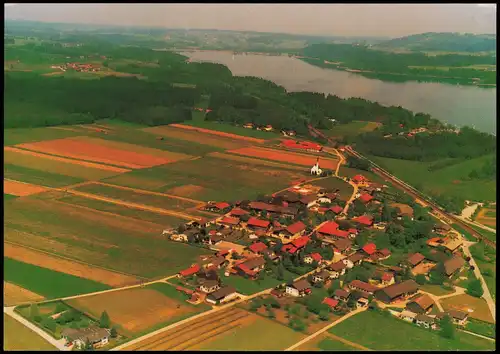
x=444 y=42
x=359 y=57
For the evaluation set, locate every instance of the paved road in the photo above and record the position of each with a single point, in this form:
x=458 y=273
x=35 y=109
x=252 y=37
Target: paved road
x=478 y=335
x=326 y=328
x=477 y=272
x=59 y=344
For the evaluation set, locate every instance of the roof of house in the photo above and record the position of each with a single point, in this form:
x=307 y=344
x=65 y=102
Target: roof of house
x=364 y=219
x=395 y=269
x=387 y=276
x=341 y=293
x=353 y=230
x=363 y=286
x=257 y=247
x=425 y=318
x=323 y=274
x=452 y=243
x=301 y=241
x=301 y=285
x=238 y=212
x=254 y=262
x=434 y=240
x=404 y=209
x=209 y=283
x=217 y=261
x=316 y=256
x=337 y=266
x=359 y=178
x=258 y=222
x=330 y=302
x=358 y=294
x=273 y=208
x=289 y=248
x=355 y=257
x=453 y=264
x=222 y=205
x=269 y=253
x=340 y=233
x=442 y=226
x=395 y=290
x=406 y=313
x=342 y=244
x=336 y=209
x=308 y=199
x=424 y=302
x=365 y=198
x=229 y=220
x=328 y=228
x=195 y=268
x=415 y=258
x=93 y=333
x=297 y=227
x=222 y=292
x=459 y=315
x=385 y=252
x=369 y=248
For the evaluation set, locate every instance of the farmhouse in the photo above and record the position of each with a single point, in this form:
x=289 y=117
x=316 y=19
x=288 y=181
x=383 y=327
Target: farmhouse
x=425 y=321
x=299 y=288
x=195 y=268
x=337 y=269
x=222 y=295
x=95 y=335
x=453 y=265
x=408 y=316
x=209 y=286
x=257 y=224
x=341 y=295
x=398 y=291
x=421 y=305
x=361 y=285
x=360 y=179
x=458 y=317
x=238 y=212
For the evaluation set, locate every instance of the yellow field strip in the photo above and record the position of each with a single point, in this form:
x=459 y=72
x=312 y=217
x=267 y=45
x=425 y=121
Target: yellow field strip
x=347 y=342
x=142 y=191
x=63 y=159
x=134 y=205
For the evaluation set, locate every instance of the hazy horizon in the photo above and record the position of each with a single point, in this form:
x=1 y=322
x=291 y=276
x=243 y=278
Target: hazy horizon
x=364 y=20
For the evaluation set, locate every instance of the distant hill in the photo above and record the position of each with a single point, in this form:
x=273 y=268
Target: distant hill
x=443 y=42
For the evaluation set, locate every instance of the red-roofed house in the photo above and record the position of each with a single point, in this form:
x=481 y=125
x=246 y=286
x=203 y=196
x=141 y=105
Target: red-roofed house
x=313 y=257
x=336 y=209
x=301 y=241
x=238 y=212
x=365 y=198
x=369 y=248
x=332 y=303
x=195 y=268
x=255 y=223
x=353 y=231
x=387 y=279
x=289 y=248
x=218 y=207
x=328 y=228
x=364 y=220
x=359 y=179
x=228 y=221
x=340 y=234
x=258 y=247
x=295 y=230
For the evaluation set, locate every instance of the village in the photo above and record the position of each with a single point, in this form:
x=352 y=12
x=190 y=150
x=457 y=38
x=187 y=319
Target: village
x=312 y=244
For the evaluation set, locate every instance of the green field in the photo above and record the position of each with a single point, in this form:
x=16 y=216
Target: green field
x=351 y=129
x=46 y=282
x=228 y=128
x=157 y=201
x=437 y=290
x=488 y=234
x=466 y=234
x=108 y=240
x=481 y=327
x=38 y=177
x=487 y=264
x=262 y=334
x=248 y=287
x=345 y=189
x=29 y=135
x=446 y=180
x=379 y=332
x=171 y=292
x=328 y=344
x=8 y=197
x=17 y=336
x=144 y=215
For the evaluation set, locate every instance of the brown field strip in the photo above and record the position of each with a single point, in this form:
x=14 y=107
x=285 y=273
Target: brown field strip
x=215 y=132
x=177 y=336
x=14 y=295
x=135 y=205
x=66 y=128
x=21 y=189
x=142 y=191
x=254 y=161
x=482 y=217
x=284 y=156
x=135 y=310
x=62 y=159
x=78 y=149
x=196 y=137
x=69 y=267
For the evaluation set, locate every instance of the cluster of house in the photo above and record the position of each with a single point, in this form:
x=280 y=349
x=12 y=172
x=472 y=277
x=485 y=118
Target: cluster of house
x=78 y=67
x=418 y=311
x=78 y=338
x=267 y=128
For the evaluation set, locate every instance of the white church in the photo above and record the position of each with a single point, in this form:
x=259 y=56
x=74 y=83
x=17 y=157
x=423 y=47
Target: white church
x=315 y=170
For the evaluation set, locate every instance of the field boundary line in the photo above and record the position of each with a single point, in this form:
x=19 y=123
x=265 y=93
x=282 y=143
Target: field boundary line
x=135 y=205
x=327 y=156
x=74 y=260
x=142 y=191
x=348 y=342
x=219 y=133
x=478 y=335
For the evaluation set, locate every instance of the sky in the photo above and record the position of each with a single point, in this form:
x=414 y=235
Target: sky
x=379 y=20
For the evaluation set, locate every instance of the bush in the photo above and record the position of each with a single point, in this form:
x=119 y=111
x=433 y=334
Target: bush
x=324 y=315
x=113 y=332
x=420 y=279
x=475 y=288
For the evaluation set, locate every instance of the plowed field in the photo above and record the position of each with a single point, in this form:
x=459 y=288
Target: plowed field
x=91 y=151
x=21 y=189
x=135 y=310
x=66 y=266
x=215 y=132
x=486 y=216
x=253 y=161
x=13 y=294
x=186 y=190
x=295 y=158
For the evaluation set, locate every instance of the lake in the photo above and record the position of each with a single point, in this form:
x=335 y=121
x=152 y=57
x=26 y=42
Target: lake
x=457 y=105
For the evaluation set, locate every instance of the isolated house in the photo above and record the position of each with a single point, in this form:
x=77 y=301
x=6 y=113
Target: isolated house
x=299 y=288
x=80 y=337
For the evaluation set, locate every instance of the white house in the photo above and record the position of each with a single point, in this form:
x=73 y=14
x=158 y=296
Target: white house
x=98 y=337
x=222 y=295
x=337 y=269
x=348 y=263
x=209 y=286
x=408 y=316
x=299 y=288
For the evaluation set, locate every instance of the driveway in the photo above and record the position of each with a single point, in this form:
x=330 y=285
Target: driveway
x=59 y=344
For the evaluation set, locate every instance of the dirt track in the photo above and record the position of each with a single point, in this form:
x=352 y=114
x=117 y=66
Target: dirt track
x=215 y=132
